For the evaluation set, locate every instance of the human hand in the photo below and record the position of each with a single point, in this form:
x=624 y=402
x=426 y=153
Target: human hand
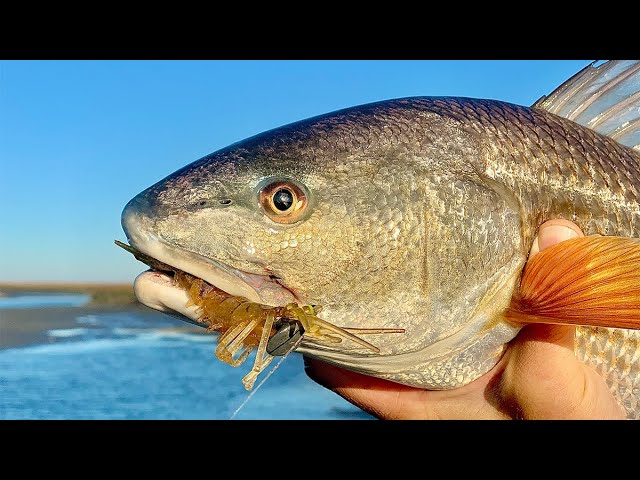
x=538 y=377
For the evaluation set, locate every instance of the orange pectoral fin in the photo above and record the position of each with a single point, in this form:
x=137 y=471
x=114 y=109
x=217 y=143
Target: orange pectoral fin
x=592 y=281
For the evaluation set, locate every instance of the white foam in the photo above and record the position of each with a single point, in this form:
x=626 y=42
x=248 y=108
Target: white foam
x=168 y=334
x=87 y=320
x=67 y=332
x=71 y=348
x=128 y=331
x=149 y=338
x=159 y=334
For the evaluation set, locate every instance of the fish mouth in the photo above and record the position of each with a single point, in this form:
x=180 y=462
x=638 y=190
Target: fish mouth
x=162 y=288
x=139 y=224
x=157 y=289
x=167 y=259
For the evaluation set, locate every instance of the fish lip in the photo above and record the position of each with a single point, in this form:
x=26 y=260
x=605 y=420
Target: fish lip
x=245 y=277
x=164 y=279
x=228 y=279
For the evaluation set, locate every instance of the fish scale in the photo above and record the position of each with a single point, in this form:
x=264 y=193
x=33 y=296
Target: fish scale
x=613 y=210
x=615 y=354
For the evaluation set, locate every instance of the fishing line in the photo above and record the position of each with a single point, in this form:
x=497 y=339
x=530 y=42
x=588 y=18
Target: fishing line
x=246 y=400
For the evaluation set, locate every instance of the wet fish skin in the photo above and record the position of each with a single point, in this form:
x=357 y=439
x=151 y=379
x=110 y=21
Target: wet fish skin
x=421 y=214
x=573 y=173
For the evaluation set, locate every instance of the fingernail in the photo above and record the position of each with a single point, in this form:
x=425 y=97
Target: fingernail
x=554 y=234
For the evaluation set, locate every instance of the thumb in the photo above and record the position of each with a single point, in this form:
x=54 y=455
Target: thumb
x=543 y=377
x=553 y=232
x=549 y=234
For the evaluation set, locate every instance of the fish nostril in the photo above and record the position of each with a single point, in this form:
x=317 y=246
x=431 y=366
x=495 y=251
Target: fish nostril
x=207 y=203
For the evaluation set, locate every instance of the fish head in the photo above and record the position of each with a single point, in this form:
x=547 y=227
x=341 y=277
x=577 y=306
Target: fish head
x=359 y=211
x=275 y=209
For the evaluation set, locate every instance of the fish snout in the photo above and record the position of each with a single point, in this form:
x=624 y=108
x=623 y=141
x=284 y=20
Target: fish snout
x=138 y=219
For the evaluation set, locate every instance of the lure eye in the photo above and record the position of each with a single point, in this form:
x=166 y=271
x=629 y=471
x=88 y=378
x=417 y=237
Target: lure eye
x=283 y=201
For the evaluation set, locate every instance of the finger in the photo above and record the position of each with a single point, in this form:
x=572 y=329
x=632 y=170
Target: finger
x=553 y=232
x=380 y=398
x=546 y=381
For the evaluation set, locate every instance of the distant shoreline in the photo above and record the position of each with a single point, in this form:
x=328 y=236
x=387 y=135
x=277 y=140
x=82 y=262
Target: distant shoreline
x=115 y=294
x=29 y=326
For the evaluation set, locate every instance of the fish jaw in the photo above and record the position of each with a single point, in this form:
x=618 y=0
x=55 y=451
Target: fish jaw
x=160 y=292
x=157 y=290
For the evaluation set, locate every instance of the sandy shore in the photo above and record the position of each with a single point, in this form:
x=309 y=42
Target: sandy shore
x=29 y=325
x=25 y=326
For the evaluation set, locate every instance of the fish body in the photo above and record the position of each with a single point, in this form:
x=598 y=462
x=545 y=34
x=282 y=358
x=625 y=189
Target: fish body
x=414 y=213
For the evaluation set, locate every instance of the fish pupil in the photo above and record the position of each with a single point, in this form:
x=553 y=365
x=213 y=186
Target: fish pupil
x=283 y=199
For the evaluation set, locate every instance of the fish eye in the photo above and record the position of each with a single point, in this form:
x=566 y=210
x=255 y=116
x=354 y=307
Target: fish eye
x=283 y=201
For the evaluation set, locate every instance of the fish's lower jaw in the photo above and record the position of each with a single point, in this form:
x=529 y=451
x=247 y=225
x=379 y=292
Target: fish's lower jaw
x=158 y=291
x=442 y=374
x=452 y=372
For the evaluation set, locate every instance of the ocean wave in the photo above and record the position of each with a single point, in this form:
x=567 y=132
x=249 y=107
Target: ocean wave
x=160 y=334
x=87 y=320
x=128 y=331
x=66 y=348
x=67 y=332
x=152 y=338
x=170 y=335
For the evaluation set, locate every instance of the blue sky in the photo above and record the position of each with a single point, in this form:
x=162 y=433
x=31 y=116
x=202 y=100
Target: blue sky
x=78 y=139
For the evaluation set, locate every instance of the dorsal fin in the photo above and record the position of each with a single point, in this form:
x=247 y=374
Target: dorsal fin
x=605 y=98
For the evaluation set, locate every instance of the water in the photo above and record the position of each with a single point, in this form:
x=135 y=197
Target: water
x=37 y=300
x=135 y=365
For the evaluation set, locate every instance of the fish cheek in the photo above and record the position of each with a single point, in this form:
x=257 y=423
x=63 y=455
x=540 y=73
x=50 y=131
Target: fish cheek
x=312 y=256
x=209 y=232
